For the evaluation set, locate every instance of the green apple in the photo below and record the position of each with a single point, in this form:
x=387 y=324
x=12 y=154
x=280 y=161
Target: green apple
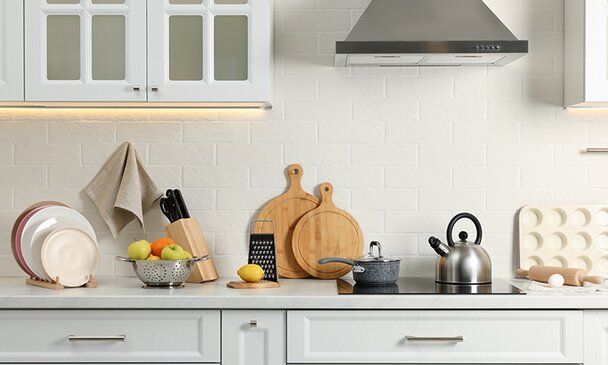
x=139 y=250
x=187 y=255
x=173 y=252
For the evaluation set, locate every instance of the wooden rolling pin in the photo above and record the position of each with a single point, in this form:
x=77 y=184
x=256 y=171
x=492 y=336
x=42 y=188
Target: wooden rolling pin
x=573 y=277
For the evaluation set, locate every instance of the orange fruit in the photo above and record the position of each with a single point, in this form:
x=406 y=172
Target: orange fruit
x=158 y=245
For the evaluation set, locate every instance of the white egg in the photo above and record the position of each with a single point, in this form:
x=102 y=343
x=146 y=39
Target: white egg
x=556 y=281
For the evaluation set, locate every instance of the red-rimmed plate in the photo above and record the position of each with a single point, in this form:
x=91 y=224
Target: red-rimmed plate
x=18 y=221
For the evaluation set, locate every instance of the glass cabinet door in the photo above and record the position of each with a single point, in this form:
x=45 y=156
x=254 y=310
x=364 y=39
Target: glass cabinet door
x=209 y=50
x=11 y=50
x=85 y=50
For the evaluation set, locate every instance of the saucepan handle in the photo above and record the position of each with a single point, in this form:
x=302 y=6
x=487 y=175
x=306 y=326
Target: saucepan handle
x=328 y=260
x=125 y=259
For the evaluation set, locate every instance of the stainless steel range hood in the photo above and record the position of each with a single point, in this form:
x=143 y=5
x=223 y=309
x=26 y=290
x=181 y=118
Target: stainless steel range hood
x=429 y=33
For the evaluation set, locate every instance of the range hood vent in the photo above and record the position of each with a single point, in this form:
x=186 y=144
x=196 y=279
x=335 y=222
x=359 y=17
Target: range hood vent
x=429 y=33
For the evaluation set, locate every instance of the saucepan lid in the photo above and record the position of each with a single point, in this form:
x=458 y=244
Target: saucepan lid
x=373 y=257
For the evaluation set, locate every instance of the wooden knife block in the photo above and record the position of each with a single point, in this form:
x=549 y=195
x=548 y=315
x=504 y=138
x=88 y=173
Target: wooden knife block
x=187 y=233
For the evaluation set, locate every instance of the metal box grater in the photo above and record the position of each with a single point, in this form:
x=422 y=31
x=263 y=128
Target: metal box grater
x=262 y=251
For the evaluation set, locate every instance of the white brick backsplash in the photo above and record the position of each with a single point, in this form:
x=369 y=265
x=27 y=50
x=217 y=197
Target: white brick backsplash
x=252 y=154
x=523 y=155
x=280 y=132
x=385 y=110
x=47 y=154
x=451 y=199
x=351 y=132
x=554 y=177
x=244 y=199
x=81 y=132
x=149 y=132
x=384 y=199
x=452 y=155
x=322 y=154
x=23 y=132
x=71 y=176
x=351 y=87
x=447 y=109
x=405 y=147
x=313 y=20
x=213 y=177
x=419 y=87
x=487 y=87
x=486 y=177
x=513 y=199
x=6 y=154
x=216 y=132
x=384 y=154
x=296 y=87
x=189 y=154
x=425 y=132
x=414 y=177
x=352 y=176
x=317 y=110
x=487 y=132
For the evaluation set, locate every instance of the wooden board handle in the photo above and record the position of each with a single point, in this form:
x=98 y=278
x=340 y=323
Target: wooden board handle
x=295 y=173
x=327 y=193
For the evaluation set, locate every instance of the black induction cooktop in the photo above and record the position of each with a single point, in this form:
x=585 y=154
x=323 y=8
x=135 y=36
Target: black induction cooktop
x=425 y=286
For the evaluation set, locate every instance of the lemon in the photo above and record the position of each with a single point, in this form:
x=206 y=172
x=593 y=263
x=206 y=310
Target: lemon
x=152 y=257
x=251 y=273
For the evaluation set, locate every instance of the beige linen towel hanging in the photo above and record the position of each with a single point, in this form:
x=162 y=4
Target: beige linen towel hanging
x=123 y=190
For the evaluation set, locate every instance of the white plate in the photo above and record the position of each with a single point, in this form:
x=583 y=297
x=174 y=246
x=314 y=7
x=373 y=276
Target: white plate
x=40 y=225
x=70 y=255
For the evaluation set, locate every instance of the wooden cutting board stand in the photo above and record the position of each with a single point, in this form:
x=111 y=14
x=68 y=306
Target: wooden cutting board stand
x=91 y=283
x=187 y=233
x=285 y=211
x=327 y=232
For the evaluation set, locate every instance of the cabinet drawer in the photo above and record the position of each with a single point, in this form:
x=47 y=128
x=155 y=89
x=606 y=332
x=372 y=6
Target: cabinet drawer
x=434 y=337
x=110 y=336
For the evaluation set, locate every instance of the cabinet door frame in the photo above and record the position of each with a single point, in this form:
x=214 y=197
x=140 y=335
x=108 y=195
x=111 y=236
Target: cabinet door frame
x=256 y=89
x=238 y=325
x=39 y=88
x=596 y=50
x=596 y=337
x=11 y=52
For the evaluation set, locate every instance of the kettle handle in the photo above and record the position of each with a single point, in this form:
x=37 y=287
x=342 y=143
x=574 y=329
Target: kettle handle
x=459 y=217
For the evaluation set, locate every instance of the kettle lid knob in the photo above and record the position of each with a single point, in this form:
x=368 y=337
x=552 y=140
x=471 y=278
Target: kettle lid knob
x=463 y=236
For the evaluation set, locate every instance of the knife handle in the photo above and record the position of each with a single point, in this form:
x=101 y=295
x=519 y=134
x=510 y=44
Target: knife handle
x=181 y=204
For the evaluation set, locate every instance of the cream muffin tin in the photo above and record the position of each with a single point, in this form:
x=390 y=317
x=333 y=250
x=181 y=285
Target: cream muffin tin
x=573 y=236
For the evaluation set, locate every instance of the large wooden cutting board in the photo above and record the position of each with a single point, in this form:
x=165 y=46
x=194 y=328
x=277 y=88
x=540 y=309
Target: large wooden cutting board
x=327 y=232
x=285 y=211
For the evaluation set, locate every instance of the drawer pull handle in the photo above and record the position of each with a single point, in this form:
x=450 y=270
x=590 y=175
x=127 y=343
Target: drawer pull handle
x=120 y=338
x=253 y=323
x=434 y=339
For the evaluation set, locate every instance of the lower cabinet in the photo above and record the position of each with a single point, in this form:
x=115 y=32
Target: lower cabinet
x=596 y=337
x=437 y=337
x=107 y=336
x=253 y=337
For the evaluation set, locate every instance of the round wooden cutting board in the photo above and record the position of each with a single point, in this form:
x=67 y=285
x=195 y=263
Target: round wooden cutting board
x=285 y=211
x=327 y=232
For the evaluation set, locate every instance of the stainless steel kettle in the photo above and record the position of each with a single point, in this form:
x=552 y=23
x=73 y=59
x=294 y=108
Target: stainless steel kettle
x=462 y=262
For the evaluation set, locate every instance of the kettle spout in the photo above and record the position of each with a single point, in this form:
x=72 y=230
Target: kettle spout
x=439 y=247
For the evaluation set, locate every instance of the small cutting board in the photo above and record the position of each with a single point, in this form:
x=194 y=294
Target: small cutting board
x=327 y=232
x=263 y=284
x=285 y=211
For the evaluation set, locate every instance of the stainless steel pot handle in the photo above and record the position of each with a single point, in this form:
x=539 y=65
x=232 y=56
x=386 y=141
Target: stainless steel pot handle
x=125 y=259
x=73 y=338
x=371 y=249
x=418 y=339
x=356 y=268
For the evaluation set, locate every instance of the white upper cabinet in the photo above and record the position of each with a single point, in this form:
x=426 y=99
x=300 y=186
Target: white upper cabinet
x=586 y=53
x=11 y=50
x=209 y=50
x=85 y=50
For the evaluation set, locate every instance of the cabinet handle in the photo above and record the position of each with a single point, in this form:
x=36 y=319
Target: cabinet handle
x=434 y=339
x=120 y=338
x=253 y=323
x=154 y=88
x=591 y=150
x=136 y=88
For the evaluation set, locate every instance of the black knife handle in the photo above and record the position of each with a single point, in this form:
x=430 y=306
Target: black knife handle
x=181 y=204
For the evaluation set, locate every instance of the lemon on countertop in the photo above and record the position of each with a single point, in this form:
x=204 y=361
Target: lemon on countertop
x=251 y=273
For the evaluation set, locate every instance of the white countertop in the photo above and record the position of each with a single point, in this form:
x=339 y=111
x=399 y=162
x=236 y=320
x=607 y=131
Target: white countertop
x=125 y=293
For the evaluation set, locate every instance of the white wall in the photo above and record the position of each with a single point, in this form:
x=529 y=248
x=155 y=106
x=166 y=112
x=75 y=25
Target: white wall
x=406 y=148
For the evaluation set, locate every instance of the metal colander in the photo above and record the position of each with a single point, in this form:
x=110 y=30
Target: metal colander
x=163 y=273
